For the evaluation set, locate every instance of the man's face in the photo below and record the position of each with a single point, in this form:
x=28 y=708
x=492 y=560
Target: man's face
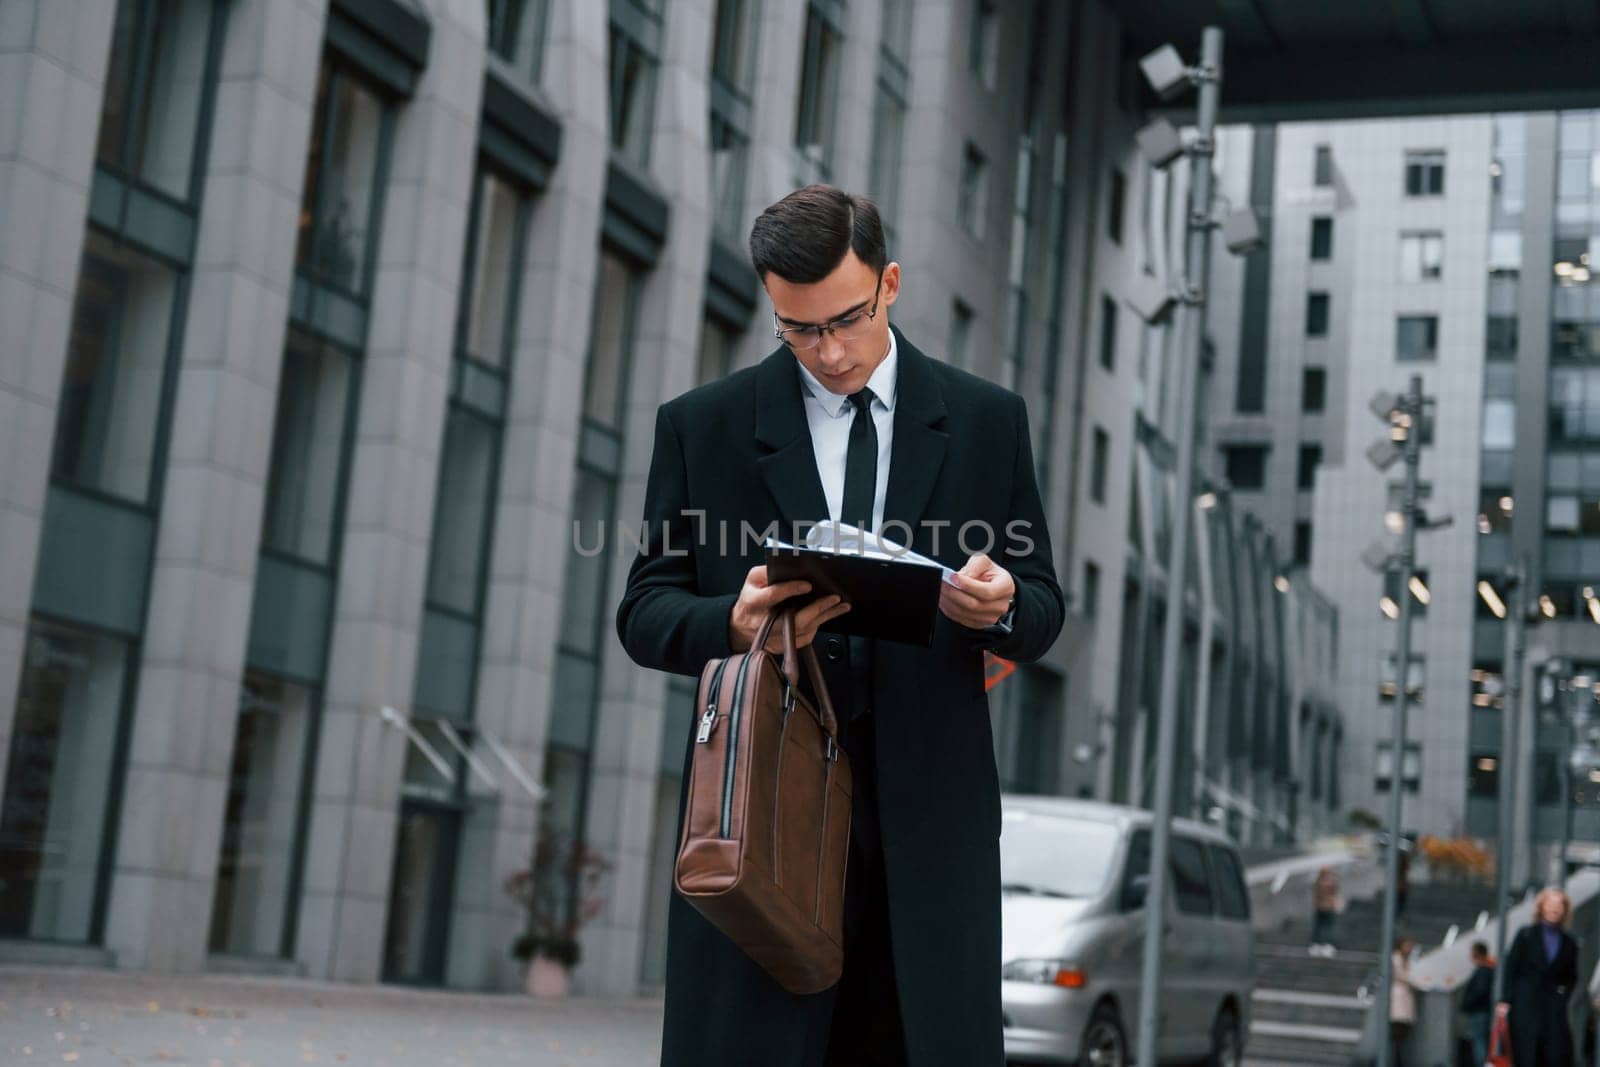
x=842 y=366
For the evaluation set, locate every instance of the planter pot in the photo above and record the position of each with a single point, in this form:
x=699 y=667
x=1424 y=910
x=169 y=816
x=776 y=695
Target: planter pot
x=546 y=978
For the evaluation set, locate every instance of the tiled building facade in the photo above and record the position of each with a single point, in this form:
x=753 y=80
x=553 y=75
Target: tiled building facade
x=331 y=331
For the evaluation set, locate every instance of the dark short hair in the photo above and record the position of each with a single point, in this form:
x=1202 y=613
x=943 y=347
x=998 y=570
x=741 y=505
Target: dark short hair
x=804 y=237
x=1480 y=949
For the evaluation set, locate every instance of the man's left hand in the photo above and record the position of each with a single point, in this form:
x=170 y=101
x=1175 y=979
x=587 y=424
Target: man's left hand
x=981 y=594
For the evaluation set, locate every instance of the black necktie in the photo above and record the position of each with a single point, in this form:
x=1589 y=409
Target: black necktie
x=860 y=490
x=860 y=464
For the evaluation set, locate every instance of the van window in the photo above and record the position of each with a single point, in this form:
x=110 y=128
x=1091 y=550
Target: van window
x=1191 y=883
x=1232 y=897
x=1137 y=865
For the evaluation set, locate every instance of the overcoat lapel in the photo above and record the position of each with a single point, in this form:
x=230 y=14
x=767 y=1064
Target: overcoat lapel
x=919 y=446
x=790 y=466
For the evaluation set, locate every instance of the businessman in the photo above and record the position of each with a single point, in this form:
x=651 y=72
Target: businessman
x=848 y=420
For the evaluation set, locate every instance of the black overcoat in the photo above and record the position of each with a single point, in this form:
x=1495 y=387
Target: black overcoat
x=1539 y=991
x=737 y=451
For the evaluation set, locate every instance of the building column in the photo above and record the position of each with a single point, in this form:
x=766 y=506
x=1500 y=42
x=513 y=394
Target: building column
x=53 y=59
x=523 y=612
x=625 y=762
x=203 y=575
x=388 y=515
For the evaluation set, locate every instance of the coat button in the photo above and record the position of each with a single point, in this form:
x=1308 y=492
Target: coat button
x=835 y=649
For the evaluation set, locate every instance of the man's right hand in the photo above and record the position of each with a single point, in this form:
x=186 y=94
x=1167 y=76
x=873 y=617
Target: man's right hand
x=757 y=598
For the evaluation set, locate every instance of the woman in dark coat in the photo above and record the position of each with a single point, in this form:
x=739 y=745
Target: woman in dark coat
x=1541 y=974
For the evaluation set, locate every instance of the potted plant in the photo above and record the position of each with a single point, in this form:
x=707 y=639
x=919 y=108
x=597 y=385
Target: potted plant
x=558 y=893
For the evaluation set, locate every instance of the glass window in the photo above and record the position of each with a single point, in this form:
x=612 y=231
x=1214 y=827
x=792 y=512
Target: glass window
x=111 y=393
x=1313 y=389
x=516 y=34
x=1056 y=854
x=255 y=871
x=633 y=84
x=819 y=90
x=1098 y=462
x=1316 y=314
x=960 y=334
x=1108 y=333
x=1416 y=338
x=1302 y=543
x=339 y=207
x=1322 y=238
x=1322 y=167
x=730 y=155
x=1137 y=864
x=1091 y=589
x=1421 y=595
x=888 y=146
x=974 y=190
x=491 y=279
x=1501 y=338
x=583 y=602
x=1115 y=204
x=1310 y=460
x=733 y=44
x=1483 y=774
x=1425 y=173
x=983 y=42
x=717 y=347
x=1191 y=881
x=54 y=823
x=1412 y=768
x=1233 y=900
x=1421 y=257
x=460 y=546
x=155 y=86
x=1245 y=466
x=308 y=449
x=1499 y=423
x=610 y=342
x=897 y=28
x=1416 y=677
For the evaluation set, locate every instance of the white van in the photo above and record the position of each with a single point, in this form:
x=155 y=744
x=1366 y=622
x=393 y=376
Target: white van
x=1074 y=874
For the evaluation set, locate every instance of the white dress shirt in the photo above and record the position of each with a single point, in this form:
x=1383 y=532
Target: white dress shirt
x=829 y=415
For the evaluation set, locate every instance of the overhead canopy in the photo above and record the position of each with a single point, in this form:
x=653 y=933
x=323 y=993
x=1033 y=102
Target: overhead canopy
x=1294 y=60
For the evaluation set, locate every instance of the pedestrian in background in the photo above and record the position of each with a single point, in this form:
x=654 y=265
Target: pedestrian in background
x=1326 y=903
x=1402 y=999
x=1477 y=1002
x=1540 y=977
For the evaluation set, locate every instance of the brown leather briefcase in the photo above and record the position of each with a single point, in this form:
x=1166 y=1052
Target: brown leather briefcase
x=766 y=832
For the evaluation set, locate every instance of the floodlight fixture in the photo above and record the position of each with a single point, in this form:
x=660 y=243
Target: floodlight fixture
x=1384 y=454
x=1166 y=72
x=1383 y=404
x=1159 y=142
x=1241 y=232
x=1153 y=303
x=1377 y=557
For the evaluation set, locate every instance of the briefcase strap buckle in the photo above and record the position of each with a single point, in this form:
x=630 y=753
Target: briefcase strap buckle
x=833 y=749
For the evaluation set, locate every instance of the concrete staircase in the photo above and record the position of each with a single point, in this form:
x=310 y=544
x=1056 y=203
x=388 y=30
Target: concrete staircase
x=1311 y=1010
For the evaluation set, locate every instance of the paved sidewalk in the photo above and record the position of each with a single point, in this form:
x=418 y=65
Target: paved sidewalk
x=99 y=1017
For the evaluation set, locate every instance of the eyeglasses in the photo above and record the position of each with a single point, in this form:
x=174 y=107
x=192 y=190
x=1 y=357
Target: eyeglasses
x=851 y=326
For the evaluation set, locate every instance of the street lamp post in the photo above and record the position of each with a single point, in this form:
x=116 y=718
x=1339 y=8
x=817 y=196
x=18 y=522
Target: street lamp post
x=1506 y=769
x=1208 y=76
x=1407 y=416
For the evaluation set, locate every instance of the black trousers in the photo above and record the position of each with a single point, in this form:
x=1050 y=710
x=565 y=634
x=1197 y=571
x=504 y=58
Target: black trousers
x=866 y=1029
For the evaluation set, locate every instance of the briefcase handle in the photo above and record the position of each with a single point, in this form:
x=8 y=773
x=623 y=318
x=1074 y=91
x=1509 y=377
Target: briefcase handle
x=790 y=664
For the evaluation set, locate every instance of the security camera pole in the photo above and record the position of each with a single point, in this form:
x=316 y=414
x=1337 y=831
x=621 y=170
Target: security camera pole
x=1197 y=252
x=1407 y=416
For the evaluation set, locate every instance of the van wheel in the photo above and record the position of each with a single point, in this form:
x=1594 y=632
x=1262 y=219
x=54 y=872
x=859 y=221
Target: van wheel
x=1227 y=1050
x=1104 y=1043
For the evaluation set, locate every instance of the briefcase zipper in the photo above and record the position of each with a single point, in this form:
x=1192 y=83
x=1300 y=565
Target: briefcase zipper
x=709 y=719
x=726 y=825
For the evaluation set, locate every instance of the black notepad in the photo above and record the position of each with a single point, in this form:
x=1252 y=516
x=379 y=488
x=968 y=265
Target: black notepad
x=890 y=599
